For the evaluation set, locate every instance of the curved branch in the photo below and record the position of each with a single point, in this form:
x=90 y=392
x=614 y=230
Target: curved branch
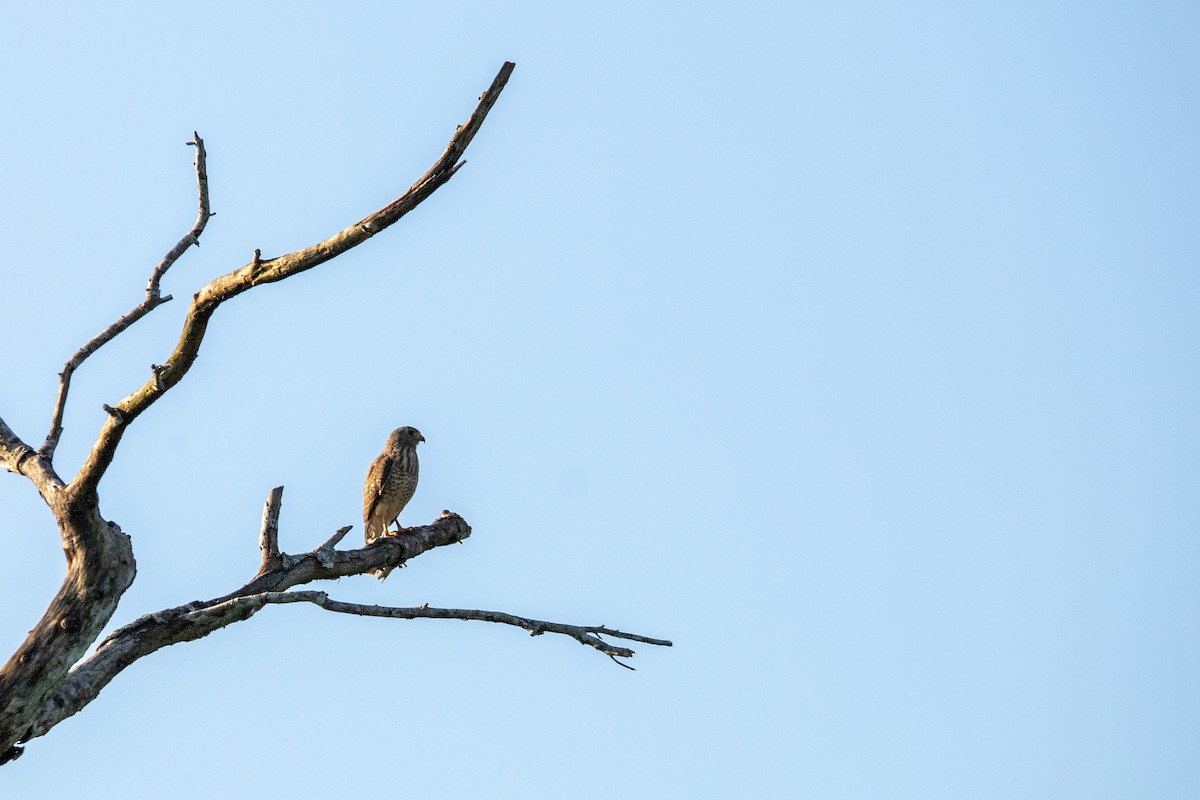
x=153 y=300
x=192 y=237
x=260 y=271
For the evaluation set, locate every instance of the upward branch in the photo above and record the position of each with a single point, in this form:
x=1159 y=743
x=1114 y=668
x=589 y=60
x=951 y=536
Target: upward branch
x=260 y=271
x=153 y=300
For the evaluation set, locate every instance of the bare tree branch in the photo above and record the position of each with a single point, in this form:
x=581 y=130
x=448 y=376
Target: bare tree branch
x=48 y=678
x=325 y=552
x=245 y=606
x=192 y=237
x=584 y=634
x=13 y=451
x=18 y=457
x=268 y=537
x=153 y=300
x=260 y=271
x=197 y=619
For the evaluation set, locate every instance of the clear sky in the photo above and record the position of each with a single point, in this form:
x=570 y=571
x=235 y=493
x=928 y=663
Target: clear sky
x=851 y=346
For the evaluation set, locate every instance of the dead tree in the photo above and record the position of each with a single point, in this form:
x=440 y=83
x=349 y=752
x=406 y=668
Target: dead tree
x=50 y=677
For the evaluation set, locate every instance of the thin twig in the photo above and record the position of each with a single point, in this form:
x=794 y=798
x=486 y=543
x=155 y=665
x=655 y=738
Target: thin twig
x=153 y=300
x=622 y=664
x=584 y=634
x=192 y=237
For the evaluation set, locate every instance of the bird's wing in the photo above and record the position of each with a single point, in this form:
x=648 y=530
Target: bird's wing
x=377 y=478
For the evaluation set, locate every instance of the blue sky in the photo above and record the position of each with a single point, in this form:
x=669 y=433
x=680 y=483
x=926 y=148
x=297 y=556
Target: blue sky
x=851 y=346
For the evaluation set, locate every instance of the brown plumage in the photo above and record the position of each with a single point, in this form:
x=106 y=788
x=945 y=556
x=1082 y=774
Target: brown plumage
x=391 y=482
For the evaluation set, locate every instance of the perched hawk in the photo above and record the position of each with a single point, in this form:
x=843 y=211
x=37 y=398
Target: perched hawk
x=391 y=482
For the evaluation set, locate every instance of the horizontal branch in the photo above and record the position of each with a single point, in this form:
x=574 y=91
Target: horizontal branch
x=236 y=609
x=153 y=300
x=584 y=634
x=260 y=271
x=195 y=620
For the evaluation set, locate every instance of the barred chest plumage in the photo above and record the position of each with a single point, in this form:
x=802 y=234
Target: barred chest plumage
x=402 y=478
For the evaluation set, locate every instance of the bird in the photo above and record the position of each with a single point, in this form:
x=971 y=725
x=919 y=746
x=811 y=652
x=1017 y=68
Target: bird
x=390 y=484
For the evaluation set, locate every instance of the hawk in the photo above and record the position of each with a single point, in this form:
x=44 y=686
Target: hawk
x=391 y=482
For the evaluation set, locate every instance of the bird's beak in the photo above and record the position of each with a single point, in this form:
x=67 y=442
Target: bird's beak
x=422 y=438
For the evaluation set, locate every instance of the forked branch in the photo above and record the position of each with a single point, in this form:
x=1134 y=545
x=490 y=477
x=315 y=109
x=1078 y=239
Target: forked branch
x=153 y=300
x=196 y=620
x=269 y=270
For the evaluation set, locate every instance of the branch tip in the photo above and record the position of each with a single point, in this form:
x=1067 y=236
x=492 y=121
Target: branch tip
x=324 y=553
x=101 y=453
x=268 y=535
